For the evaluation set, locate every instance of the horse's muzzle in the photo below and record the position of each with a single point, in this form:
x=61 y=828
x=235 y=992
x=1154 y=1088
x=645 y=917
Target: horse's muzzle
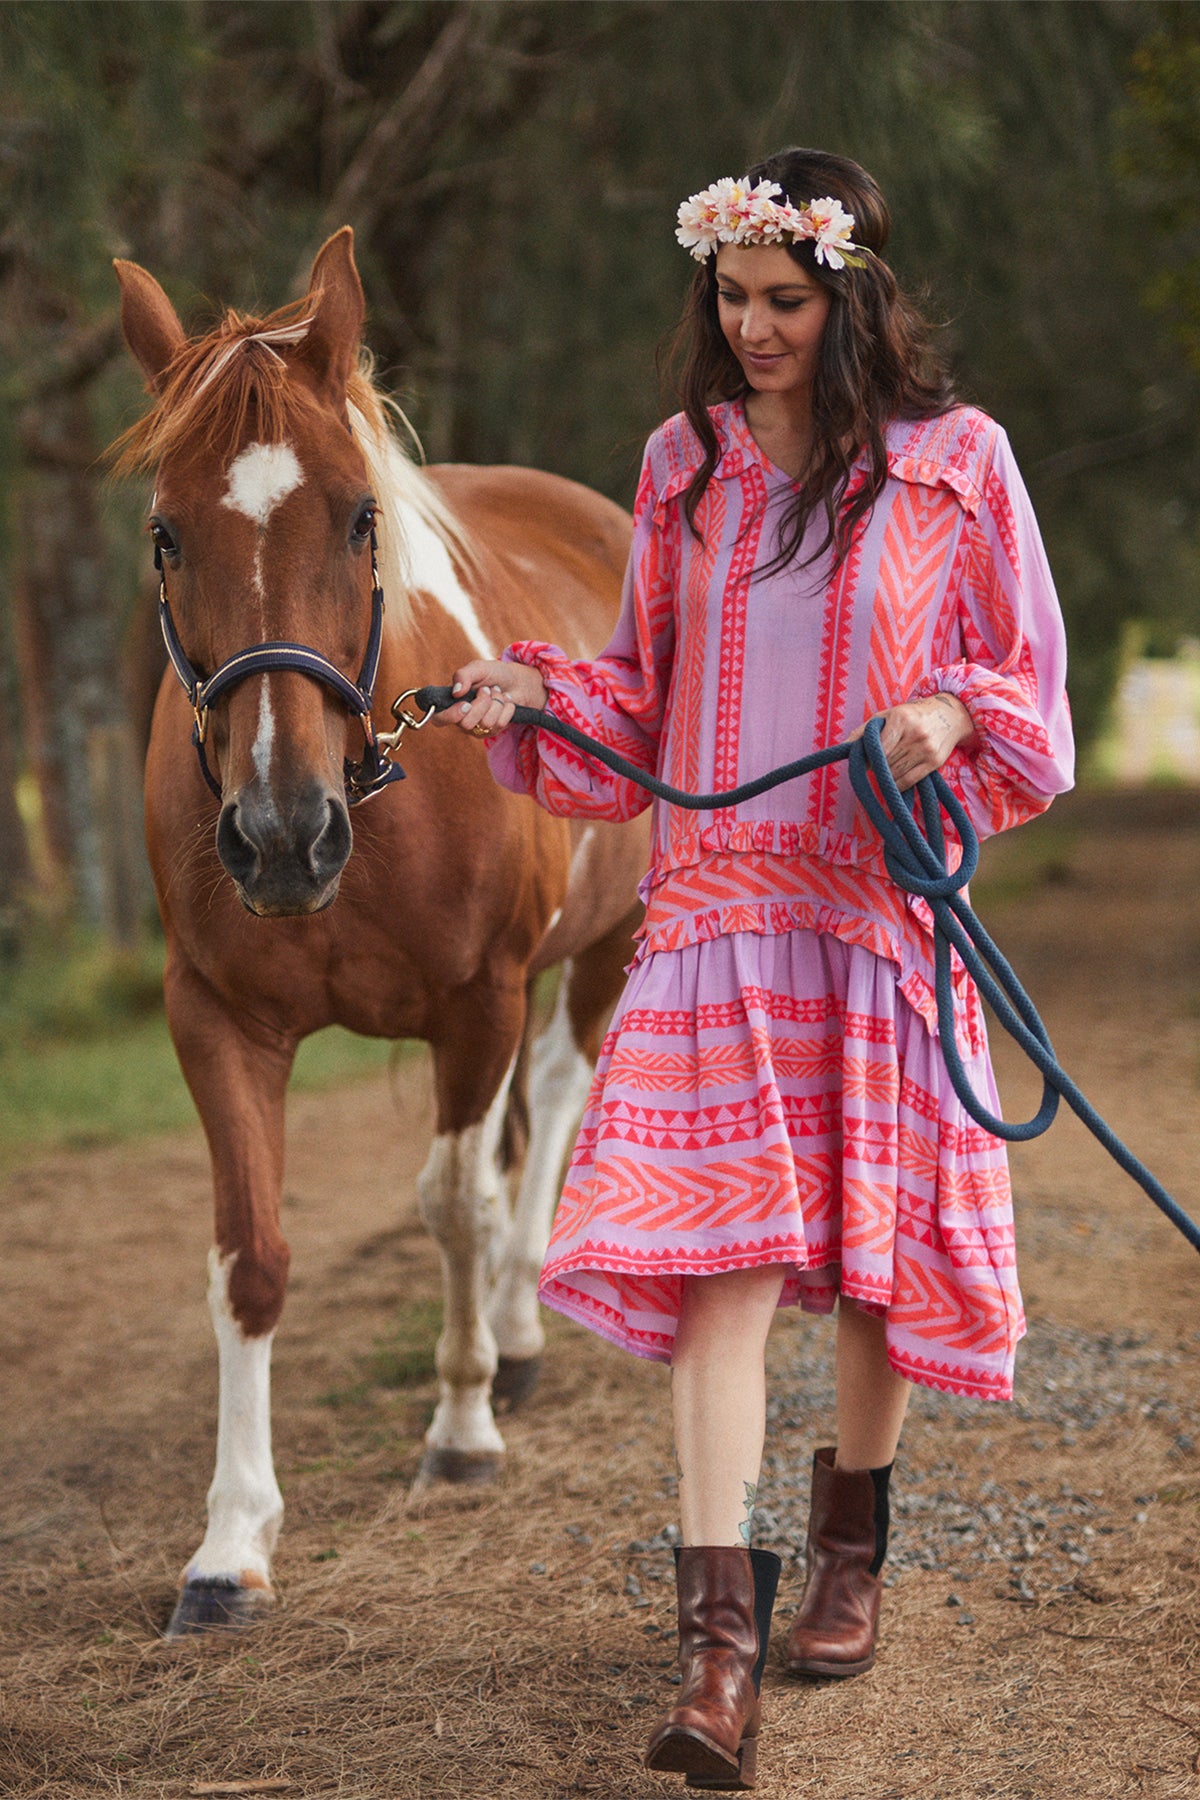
x=285 y=859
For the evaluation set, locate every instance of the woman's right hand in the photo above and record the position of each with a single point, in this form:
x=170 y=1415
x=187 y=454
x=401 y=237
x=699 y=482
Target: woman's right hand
x=499 y=687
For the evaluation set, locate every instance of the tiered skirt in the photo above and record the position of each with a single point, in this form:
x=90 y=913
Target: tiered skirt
x=776 y=1100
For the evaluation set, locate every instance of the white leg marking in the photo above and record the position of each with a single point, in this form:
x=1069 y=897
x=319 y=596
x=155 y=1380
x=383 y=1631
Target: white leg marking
x=559 y=1078
x=244 y=1503
x=462 y=1204
x=260 y=478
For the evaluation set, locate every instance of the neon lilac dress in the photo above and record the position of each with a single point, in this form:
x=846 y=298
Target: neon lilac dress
x=771 y=1089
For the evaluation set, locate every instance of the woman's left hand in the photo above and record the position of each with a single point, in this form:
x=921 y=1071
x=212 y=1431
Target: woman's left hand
x=918 y=736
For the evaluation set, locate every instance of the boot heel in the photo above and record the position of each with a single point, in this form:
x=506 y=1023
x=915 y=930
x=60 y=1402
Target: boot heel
x=739 y=1783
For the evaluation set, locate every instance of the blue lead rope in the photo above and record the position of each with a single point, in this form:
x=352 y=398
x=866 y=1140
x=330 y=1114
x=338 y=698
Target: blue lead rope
x=915 y=859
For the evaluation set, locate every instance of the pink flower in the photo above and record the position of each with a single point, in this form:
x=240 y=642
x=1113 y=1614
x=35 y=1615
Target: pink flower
x=831 y=228
x=733 y=212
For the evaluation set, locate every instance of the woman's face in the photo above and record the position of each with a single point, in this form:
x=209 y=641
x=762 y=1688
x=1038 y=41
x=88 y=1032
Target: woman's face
x=773 y=315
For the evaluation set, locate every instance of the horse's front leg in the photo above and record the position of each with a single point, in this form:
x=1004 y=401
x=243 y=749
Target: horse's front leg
x=238 y=1078
x=462 y=1202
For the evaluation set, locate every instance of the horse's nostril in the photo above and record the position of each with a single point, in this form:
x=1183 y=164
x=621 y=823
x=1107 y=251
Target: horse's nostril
x=234 y=848
x=330 y=848
x=284 y=859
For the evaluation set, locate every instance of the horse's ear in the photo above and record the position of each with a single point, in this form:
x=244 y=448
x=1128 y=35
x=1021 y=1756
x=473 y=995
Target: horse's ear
x=339 y=308
x=149 y=321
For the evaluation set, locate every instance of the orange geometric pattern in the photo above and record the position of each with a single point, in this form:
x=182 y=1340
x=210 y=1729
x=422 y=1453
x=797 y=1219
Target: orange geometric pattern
x=806 y=1120
x=772 y=1088
x=912 y=573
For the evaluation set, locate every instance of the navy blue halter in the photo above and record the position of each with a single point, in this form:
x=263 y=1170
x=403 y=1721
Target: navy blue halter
x=363 y=779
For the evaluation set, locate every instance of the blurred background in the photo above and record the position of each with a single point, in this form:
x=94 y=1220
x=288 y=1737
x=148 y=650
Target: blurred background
x=511 y=171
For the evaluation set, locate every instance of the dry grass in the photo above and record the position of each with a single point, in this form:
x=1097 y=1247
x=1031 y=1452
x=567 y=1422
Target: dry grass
x=509 y=1641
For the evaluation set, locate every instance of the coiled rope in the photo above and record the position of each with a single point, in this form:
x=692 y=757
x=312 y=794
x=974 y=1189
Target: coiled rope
x=915 y=859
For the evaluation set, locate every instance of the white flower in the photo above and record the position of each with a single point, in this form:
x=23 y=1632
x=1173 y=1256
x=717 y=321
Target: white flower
x=832 y=226
x=733 y=212
x=728 y=212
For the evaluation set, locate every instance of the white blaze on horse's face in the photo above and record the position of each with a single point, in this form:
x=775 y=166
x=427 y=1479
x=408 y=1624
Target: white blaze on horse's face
x=260 y=478
x=264 y=741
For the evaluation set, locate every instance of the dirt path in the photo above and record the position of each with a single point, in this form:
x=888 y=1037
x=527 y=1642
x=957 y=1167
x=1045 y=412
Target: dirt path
x=1043 y=1614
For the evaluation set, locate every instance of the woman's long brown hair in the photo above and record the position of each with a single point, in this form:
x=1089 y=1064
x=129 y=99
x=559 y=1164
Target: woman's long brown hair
x=874 y=363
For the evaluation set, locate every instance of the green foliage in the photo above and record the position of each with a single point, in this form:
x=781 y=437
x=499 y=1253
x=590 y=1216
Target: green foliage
x=1160 y=159
x=67 y=986
x=86 y=1058
x=405 y=1358
x=512 y=173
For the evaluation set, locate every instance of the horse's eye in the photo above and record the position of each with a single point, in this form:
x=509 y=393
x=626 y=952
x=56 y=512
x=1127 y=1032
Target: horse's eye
x=365 y=523
x=163 y=541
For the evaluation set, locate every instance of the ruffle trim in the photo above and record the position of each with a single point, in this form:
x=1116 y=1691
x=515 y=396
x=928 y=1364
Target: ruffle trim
x=676 y=445
x=968 y=1380
x=774 y=918
x=691 y=844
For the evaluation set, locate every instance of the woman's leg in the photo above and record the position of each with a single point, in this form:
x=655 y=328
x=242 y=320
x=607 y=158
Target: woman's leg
x=835 y=1629
x=725 y=1589
x=871 y=1398
x=718 y=1393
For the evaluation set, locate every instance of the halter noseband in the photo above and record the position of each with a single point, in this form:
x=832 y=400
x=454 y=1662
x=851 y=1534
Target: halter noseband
x=363 y=779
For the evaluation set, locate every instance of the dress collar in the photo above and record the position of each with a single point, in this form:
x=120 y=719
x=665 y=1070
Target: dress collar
x=740 y=451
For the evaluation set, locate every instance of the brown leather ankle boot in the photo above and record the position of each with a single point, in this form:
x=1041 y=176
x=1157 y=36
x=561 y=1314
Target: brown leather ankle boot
x=710 y=1733
x=834 y=1632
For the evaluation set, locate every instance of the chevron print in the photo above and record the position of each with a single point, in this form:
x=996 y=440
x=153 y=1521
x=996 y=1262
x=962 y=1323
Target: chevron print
x=912 y=572
x=832 y=721
x=868 y=1220
x=927 y=1302
x=770 y=1089
x=863 y=1078
x=687 y=709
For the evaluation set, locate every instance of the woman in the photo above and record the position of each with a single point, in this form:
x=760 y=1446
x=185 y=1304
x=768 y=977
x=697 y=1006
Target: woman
x=821 y=536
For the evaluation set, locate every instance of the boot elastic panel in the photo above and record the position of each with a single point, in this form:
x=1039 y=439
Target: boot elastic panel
x=883 y=1515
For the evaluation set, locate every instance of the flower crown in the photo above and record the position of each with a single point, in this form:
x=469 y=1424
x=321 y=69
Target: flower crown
x=733 y=212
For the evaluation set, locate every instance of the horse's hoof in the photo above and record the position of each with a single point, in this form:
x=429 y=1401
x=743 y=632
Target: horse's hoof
x=460 y=1468
x=515 y=1379
x=217 y=1604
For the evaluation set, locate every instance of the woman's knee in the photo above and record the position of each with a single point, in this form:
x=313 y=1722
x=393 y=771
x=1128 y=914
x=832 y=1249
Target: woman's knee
x=739 y=1295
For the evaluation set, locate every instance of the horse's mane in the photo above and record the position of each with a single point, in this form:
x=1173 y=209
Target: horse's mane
x=214 y=392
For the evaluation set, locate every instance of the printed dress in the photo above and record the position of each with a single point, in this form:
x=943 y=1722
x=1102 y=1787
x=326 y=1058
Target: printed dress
x=771 y=1089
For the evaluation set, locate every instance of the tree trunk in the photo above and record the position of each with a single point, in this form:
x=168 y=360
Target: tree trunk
x=67 y=644
x=16 y=864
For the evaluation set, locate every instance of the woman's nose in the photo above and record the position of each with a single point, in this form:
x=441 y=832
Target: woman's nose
x=756 y=326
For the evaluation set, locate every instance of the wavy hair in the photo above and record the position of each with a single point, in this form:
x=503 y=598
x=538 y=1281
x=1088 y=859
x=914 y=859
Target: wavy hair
x=874 y=363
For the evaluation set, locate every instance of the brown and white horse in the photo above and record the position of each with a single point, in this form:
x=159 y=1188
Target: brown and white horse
x=275 y=467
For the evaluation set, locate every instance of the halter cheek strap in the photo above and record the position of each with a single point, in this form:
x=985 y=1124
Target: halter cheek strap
x=362 y=779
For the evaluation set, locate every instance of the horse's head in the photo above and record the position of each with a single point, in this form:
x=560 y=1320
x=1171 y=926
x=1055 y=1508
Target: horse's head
x=262 y=517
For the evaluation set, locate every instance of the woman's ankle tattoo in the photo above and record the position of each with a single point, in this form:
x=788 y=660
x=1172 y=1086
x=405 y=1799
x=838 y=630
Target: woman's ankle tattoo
x=747 y=1523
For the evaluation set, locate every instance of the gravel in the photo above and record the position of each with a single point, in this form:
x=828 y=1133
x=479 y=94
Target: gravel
x=1041 y=1533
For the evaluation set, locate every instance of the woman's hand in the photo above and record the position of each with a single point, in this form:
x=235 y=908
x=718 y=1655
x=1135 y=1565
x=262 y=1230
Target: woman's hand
x=499 y=687
x=918 y=736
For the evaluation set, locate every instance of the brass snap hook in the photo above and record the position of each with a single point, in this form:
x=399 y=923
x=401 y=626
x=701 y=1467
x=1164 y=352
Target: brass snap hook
x=388 y=741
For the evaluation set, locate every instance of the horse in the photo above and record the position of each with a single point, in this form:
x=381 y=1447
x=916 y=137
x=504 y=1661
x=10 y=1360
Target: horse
x=285 y=508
